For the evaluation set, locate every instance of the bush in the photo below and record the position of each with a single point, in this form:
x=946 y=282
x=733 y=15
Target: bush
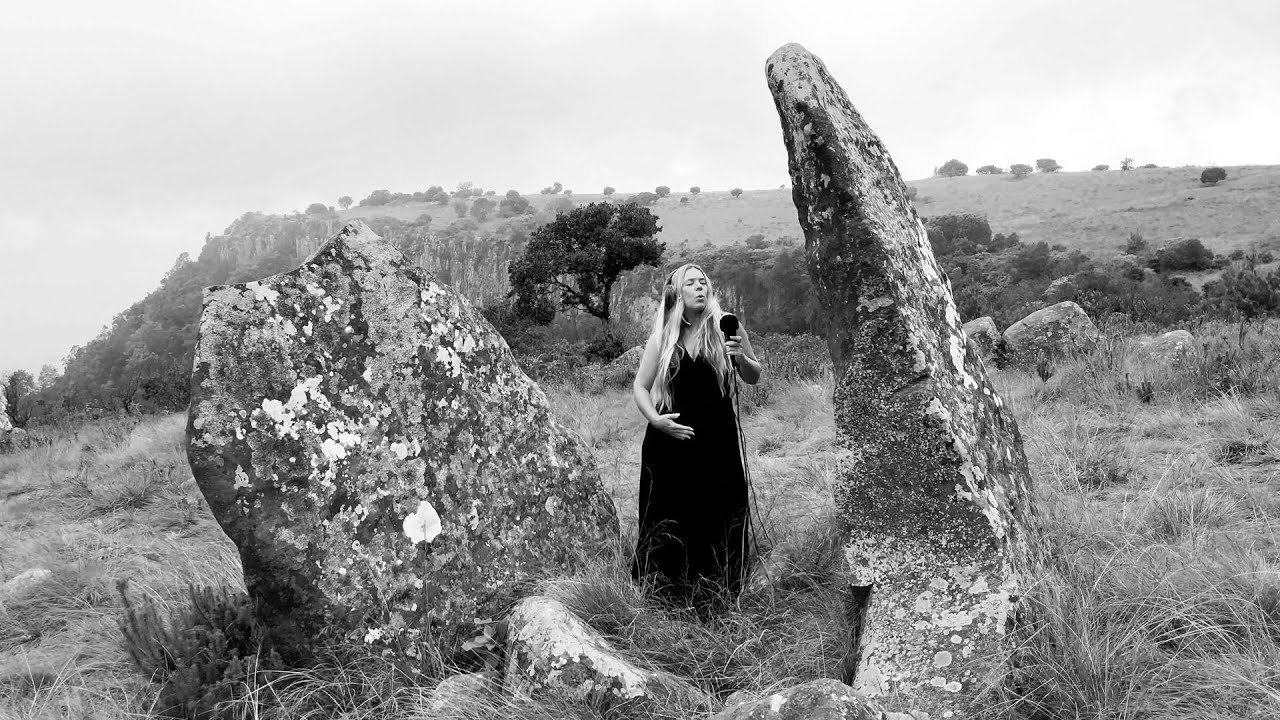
x=203 y=654
x=990 y=170
x=553 y=190
x=1149 y=166
x=952 y=168
x=1188 y=255
x=513 y=204
x=662 y=191
x=644 y=199
x=609 y=190
x=1126 y=164
x=736 y=192
x=1213 y=176
x=684 y=200
x=695 y=190
x=1020 y=170
x=1048 y=165
x=1101 y=168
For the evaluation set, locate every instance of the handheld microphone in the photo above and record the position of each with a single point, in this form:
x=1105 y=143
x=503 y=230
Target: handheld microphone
x=729 y=326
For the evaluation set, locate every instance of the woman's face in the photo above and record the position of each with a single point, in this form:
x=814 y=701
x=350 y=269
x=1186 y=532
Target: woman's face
x=694 y=291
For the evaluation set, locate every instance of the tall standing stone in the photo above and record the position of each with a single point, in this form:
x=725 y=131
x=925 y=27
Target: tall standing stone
x=385 y=468
x=934 y=486
x=5 y=424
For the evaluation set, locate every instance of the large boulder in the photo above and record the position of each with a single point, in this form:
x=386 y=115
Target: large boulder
x=551 y=651
x=368 y=442
x=823 y=699
x=933 y=488
x=1057 y=331
x=1168 y=347
x=984 y=333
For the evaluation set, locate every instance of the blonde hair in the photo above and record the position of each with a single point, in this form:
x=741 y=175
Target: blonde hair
x=706 y=340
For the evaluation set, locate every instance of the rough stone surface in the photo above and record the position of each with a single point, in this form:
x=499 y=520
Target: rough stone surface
x=458 y=690
x=24 y=582
x=628 y=361
x=984 y=333
x=933 y=486
x=824 y=699
x=1169 y=346
x=1056 y=331
x=552 y=651
x=1060 y=289
x=368 y=442
x=5 y=423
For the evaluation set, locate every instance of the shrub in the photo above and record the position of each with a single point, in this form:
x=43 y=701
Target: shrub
x=644 y=199
x=990 y=170
x=552 y=190
x=1183 y=255
x=1048 y=165
x=684 y=200
x=952 y=168
x=1136 y=245
x=695 y=190
x=203 y=654
x=736 y=192
x=1020 y=170
x=1213 y=176
x=609 y=190
x=1148 y=166
x=345 y=201
x=662 y=191
x=513 y=204
x=1101 y=168
x=1126 y=164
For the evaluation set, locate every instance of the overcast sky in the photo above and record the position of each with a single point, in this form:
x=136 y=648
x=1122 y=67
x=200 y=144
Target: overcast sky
x=130 y=129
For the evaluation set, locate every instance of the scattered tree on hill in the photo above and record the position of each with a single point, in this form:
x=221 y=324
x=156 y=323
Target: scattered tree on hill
x=1126 y=163
x=757 y=242
x=490 y=193
x=1148 y=166
x=1020 y=170
x=1213 y=176
x=736 y=192
x=553 y=190
x=952 y=168
x=17 y=389
x=317 y=209
x=47 y=377
x=1101 y=168
x=1048 y=165
x=377 y=197
x=684 y=199
x=482 y=208
x=345 y=201
x=1183 y=255
x=1136 y=245
x=695 y=190
x=568 y=192
x=662 y=191
x=460 y=207
x=579 y=256
x=990 y=170
x=608 y=190
x=464 y=189
x=645 y=199
x=513 y=204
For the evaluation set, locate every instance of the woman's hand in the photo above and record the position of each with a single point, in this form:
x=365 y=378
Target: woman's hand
x=734 y=345
x=743 y=356
x=667 y=424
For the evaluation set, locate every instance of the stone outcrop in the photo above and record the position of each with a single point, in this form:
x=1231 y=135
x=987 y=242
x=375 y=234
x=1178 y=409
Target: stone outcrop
x=368 y=442
x=5 y=423
x=984 y=333
x=1168 y=347
x=933 y=486
x=552 y=651
x=823 y=699
x=629 y=361
x=1060 y=289
x=1057 y=331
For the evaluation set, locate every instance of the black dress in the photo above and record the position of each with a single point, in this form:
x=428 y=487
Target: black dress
x=693 y=495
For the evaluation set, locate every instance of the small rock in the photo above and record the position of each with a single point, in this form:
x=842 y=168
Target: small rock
x=24 y=582
x=739 y=697
x=984 y=333
x=824 y=699
x=458 y=689
x=1168 y=346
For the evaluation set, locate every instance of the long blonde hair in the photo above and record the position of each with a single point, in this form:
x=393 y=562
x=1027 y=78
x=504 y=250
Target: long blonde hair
x=706 y=340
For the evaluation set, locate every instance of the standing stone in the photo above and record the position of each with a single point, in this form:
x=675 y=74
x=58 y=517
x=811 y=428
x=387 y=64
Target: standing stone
x=5 y=423
x=368 y=442
x=1057 y=331
x=933 y=488
x=984 y=333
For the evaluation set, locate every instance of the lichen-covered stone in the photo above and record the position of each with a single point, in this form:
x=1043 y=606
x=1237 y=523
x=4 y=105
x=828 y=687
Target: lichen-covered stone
x=628 y=361
x=458 y=690
x=552 y=651
x=984 y=333
x=1168 y=347
x=823 y=699
x=933 y=485
x=5 y=423
x=368 y=442
x=1057 y=331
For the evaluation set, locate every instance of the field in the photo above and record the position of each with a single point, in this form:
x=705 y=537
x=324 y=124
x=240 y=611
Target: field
x=1092 y=211
x=1157 y=489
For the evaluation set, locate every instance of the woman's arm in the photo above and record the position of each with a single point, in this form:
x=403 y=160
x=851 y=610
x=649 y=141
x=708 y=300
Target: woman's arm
x=645 y=376
x=749 y=367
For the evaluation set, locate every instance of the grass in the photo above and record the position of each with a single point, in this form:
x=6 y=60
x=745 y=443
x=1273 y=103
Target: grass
x=1158 y=596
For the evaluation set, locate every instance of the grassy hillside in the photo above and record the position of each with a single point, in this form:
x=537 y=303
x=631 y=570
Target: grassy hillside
x=1092 y=211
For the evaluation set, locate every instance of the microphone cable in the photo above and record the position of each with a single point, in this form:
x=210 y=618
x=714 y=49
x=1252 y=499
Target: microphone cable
x=755 y=522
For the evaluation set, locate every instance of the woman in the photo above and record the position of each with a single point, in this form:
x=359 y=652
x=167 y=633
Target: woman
x=693 y=490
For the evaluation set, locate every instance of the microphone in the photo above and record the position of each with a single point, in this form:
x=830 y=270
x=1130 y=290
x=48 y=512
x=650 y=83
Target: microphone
x=729 y=326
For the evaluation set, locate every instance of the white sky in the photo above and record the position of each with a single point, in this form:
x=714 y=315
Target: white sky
x=130 y=129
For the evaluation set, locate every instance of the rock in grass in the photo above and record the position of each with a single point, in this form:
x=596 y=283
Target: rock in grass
x=984 y=334
x=824 y=699
x=1168 y=347
x=933 y=487
x=1060 y=330
x=368 y=442
x=550 y=651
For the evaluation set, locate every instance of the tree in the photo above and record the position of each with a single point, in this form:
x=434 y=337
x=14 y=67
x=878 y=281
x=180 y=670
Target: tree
x=1048 y=165
x=513 y=204
x=553 y=190
x=17 y=387
x=1126 y=164
x=47 y=377
x=580 y=255
x=608 y=190
x=1020 y=170
x=481 y=208
x=1213 y=176
x=317 y=209
x=736 y=192
x=952 y=168
x=464 y=189
x=1148 y=166
x=344 y=202
x=684 y=199
x=990 y=170
x=695 y=190
x=645 y=198
x=460 y=207
x=1101 y=168
x=662 y=191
